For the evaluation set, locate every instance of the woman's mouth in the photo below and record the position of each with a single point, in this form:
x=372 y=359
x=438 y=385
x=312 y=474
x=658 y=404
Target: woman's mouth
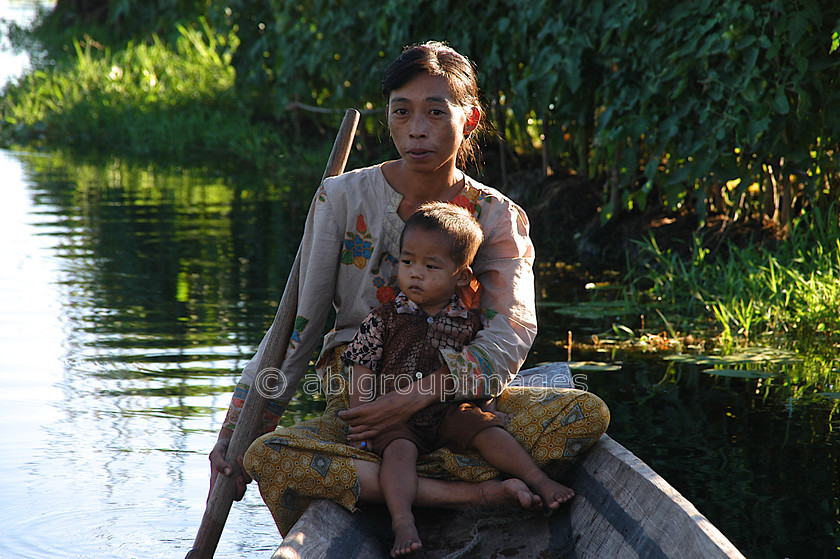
x=418 y=153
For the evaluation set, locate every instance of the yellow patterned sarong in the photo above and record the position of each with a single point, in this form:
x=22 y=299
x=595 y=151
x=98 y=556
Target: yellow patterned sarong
x=312 y=460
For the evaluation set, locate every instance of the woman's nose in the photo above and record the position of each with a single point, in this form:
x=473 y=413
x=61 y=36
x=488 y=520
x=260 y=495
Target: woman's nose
x=418 y=127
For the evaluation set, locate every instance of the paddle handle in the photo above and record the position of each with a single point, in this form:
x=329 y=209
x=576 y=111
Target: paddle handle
x=274 y=351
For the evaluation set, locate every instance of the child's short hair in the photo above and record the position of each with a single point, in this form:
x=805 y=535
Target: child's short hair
x=456 y=223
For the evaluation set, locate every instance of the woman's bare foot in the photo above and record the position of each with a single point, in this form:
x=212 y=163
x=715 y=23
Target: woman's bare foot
x=510 y=492
x=406 y=538
x=553 y=493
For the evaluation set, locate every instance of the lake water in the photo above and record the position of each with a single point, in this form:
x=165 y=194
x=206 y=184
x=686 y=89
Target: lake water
x=131 y=295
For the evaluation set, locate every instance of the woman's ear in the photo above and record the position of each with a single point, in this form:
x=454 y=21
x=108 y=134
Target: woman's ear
x=473 y=120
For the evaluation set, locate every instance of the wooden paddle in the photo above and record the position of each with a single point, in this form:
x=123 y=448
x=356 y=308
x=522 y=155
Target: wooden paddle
x=250 y=419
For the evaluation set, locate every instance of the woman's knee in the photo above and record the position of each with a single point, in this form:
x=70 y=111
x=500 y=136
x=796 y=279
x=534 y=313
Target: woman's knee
x=587 y=415
x=602 y=411
x=257 y=455
x=535 y=412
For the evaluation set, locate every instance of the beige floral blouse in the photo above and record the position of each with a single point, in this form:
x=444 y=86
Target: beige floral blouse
x=349 y=258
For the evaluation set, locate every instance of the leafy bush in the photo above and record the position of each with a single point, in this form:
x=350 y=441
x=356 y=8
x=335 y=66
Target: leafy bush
x=145 y=99
x=711 y=106
x=728 y=107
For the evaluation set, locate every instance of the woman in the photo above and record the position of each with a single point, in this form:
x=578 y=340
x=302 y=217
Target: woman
x=349 y=259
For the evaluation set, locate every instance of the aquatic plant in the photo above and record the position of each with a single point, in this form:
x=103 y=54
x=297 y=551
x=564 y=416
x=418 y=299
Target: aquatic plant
x=789 y=288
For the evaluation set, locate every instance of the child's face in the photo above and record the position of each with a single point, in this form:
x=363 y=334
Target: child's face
x=427 y=274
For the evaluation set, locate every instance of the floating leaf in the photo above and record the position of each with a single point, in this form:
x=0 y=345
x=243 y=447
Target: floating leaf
x=594 y=366
x=693 y=359
x=831 y=395
x=595 y=309
x=747 y=355
x=739 y=373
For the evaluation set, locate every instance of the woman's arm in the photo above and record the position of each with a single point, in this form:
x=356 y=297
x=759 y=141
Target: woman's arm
x=504 y=267
x=319 y=252
x=362 y=392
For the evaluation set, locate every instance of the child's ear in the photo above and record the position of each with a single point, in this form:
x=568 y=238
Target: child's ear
x=465 y=276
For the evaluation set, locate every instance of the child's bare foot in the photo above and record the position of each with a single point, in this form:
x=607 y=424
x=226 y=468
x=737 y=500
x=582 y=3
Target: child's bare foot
x=553 y=493
x=511 y=492
x=406 y=539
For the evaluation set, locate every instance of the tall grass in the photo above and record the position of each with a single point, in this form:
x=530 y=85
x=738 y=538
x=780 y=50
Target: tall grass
x=791 y=288
x=147 y=99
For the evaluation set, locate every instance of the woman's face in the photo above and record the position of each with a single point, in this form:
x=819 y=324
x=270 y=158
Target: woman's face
x=426 y=124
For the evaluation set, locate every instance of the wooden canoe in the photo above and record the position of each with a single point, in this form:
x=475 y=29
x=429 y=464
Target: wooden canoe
x=622 y=509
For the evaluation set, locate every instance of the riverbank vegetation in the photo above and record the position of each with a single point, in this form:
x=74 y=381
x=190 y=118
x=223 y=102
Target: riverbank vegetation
x=155 y=99
x=695 y=112
x=771 y=288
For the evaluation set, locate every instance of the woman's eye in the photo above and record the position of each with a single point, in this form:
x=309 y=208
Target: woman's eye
x=436 y=112
x=400 y=112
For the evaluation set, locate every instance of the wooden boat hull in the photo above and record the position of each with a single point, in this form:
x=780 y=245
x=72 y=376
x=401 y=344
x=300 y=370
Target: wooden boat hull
x=622 y=509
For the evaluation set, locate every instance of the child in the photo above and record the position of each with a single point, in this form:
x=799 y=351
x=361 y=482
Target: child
x=401 y=340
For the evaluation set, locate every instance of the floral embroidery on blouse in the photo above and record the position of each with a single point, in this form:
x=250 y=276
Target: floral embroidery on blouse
x=470 y=199
x=478 y=380
x=300 y=326
x=273 y=410
x=384 y=293
x=358 y=247
x=385 y=290
x=486 y=316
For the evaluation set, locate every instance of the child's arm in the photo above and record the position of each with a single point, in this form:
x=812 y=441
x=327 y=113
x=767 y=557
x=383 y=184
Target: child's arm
x=362 y=383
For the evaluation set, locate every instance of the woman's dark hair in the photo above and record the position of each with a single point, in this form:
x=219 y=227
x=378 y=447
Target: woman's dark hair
x=439 y=59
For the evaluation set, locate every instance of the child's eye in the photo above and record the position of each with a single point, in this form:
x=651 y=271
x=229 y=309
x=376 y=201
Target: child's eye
x=405 y=261
x=431 y=266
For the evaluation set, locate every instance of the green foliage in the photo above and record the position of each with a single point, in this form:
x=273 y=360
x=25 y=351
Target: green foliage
x=117 y=22
x=145 y=99
x=792 y=288
x=726 y=107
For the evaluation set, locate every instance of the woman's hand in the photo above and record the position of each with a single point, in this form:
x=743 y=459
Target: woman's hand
x=367 y=420
x=220 y=466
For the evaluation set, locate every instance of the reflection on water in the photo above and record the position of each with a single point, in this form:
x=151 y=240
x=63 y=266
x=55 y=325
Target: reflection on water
x=759 y=456
x=132 y=295
x=131 y=298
